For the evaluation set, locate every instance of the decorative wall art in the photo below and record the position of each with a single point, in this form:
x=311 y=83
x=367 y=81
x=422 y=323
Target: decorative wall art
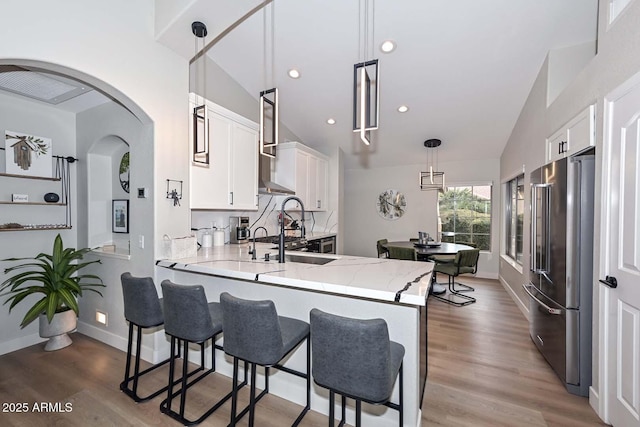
x=28 y=154
x=391 y=204
x=124 y=172
x=174 y=191
x=120 y=216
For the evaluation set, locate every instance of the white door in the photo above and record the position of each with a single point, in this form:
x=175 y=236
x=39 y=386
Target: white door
x=620 y=248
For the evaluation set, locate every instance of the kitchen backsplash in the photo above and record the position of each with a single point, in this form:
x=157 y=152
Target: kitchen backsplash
x=266 y=216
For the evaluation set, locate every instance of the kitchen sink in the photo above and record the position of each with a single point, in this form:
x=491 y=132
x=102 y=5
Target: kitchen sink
x=304 y=259
x=308 y=259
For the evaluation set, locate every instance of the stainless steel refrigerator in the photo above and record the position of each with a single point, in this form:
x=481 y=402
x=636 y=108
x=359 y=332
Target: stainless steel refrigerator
x=561 y=266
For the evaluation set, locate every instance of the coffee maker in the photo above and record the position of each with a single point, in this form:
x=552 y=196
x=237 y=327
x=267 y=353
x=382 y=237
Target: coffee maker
x=239 y=229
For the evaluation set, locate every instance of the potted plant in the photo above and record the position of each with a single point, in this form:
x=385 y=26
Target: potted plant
x=55 y=276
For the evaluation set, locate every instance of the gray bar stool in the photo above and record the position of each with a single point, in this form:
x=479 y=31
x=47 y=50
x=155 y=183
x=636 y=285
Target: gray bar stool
x=142 y=309
x=188 y=317
x=254 y=333
x=356 y=359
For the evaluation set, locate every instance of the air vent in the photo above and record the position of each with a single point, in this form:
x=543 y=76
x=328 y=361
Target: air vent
x=44 y=87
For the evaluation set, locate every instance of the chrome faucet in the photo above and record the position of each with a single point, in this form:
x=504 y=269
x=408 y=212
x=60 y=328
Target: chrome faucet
x=266 y=233
x=281 y=237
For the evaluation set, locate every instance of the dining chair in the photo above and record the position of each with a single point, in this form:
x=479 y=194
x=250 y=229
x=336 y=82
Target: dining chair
x=382 y=250
x=396 y=252
x=465 y=262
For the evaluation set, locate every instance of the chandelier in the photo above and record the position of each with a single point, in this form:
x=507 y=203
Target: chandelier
x=432 y=179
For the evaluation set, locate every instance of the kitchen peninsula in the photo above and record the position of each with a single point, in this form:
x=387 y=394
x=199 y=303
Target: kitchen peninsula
x=345 y=285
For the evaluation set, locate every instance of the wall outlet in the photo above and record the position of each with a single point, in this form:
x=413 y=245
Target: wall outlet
x=141 y=241
x=143 y=193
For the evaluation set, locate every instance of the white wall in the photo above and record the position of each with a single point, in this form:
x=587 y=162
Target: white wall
x=565 y=64
x=111 y=46
x=363 y=226
x=17 y=114
x=617 y=60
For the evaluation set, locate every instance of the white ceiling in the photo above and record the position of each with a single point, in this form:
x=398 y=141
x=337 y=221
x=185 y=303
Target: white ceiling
x=463 y=67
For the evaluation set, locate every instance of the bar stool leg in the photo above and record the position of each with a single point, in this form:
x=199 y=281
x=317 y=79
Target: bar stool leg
x=358 y=413
x=129 y=345
x=136 y=369
x=331 y=408
x=252 y=396
x=401 y=397
x=172 y=365
x=343 y=401
x=183 y=394
x=234 y=391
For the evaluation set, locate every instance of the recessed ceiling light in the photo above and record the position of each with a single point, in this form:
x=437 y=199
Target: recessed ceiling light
x=294 y=74
x=388 y=46
x=403 y=109
x=331 y=121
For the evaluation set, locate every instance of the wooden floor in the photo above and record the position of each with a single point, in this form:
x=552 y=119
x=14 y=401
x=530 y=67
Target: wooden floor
x=483 y=371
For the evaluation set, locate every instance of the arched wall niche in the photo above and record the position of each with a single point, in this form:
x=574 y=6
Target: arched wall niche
x=103 y=186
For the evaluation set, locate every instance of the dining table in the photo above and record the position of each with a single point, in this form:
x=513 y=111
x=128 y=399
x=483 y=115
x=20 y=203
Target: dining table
x=425 y=251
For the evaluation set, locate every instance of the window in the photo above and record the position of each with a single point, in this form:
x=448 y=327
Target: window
x=514 y=218
x=465 y=215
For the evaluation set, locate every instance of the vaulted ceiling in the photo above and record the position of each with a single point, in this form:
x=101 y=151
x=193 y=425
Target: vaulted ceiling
x=464 y=68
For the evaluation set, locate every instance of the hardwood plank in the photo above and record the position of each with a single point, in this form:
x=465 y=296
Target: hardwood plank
x=483 y=371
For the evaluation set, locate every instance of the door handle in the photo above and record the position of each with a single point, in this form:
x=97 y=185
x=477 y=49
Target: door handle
x=610 y=281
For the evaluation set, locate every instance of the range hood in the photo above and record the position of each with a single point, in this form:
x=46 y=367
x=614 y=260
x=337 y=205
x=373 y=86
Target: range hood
x=265 y=184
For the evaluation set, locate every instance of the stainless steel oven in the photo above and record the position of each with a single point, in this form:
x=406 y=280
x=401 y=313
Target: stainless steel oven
x=325 y=245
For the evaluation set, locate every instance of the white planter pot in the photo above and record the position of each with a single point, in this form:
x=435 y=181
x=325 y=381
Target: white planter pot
x=61 y=324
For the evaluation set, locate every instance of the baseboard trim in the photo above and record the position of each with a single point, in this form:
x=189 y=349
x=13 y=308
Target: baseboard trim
x=524 y=308
x=486 y=275
x=106 y=337
x=20 y=343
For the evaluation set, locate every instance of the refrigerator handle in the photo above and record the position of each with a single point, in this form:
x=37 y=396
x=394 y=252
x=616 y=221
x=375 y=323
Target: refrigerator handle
x=550 y=310
x=534 y=232
x=533 y=254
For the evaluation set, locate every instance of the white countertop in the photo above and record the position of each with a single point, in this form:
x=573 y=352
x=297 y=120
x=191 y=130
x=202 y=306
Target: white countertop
x=373 y=278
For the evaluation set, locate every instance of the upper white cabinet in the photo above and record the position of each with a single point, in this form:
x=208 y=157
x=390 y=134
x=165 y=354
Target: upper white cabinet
x=577 y=135
x=305 y=171
x=230 y=180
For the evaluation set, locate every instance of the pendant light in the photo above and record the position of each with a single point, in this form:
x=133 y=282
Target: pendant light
x=200 y=117
x=366 y=77
x=432 y=179
x=269 y=116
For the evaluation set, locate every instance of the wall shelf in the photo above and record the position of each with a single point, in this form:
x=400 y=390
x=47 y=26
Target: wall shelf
x=32 y=203
x=42 y=178
x=35 y=228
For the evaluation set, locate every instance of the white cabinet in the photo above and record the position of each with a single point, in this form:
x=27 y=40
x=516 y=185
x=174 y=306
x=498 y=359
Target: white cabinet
x=305 y=171
x=577 y=135
x=230 y=180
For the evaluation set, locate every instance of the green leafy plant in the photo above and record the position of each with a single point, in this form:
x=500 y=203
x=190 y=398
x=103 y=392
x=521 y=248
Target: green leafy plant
x=53 y=275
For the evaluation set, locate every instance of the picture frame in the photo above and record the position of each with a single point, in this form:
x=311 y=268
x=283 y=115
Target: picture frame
x=120 y=215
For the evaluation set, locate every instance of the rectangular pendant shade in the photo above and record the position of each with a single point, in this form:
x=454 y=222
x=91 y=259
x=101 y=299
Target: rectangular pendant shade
x=432 y=180
x=269 y=122
x=366 y=98
x=200 y=123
